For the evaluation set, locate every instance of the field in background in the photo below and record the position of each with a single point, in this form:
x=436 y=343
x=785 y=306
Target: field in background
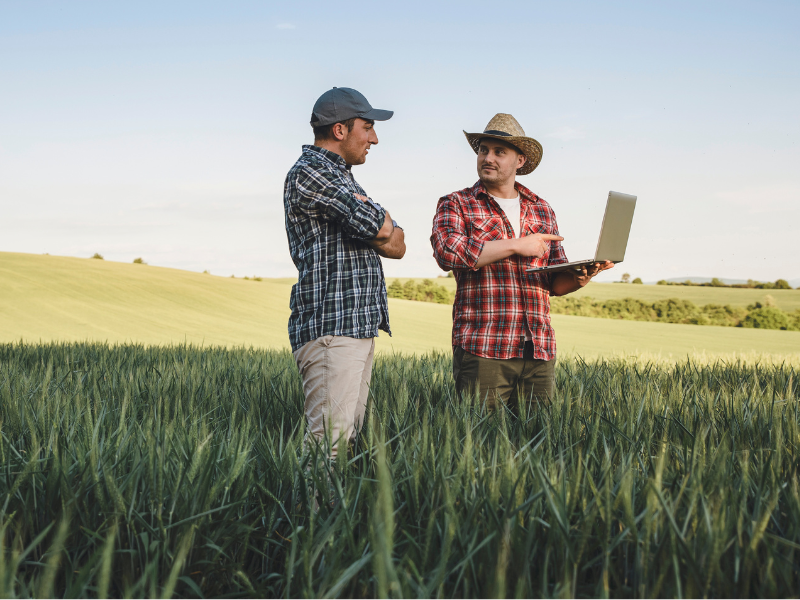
x=787 y=300
x=44 y=298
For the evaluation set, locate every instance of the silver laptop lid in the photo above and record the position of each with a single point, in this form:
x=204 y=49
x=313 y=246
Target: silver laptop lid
x=616 y=227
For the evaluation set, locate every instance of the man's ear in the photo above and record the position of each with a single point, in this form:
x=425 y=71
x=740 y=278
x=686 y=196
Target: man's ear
x=339 y=131
x=523 y=160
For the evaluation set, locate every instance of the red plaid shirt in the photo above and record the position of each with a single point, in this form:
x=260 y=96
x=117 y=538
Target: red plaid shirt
x=494 y=303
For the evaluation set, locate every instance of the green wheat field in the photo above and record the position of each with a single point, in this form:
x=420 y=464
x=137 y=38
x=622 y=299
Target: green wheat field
x=152 y=445
x=181 y=472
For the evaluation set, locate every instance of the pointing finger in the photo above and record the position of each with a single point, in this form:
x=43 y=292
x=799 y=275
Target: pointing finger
x=550 y=236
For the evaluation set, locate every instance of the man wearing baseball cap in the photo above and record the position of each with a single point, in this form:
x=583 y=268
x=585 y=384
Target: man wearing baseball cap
x=488 y=235
x=336 y=235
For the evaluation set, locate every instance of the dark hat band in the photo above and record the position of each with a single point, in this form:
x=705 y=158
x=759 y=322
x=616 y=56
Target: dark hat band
x=495 y=132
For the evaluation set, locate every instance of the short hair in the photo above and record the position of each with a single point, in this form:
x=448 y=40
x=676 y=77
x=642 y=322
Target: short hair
x=323 y=132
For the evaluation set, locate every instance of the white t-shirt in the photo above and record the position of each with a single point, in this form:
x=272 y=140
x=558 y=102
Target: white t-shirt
x=513 y=210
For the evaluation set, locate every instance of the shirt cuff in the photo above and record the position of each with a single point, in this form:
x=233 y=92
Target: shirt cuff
x=472 y=252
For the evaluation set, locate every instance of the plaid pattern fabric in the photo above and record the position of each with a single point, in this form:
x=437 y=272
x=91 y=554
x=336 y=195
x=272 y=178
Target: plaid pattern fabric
x=494 y=303
x=340 y=288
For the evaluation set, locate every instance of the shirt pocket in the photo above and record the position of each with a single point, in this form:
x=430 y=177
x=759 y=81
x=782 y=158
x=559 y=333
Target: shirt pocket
x=486 y=230
x=531 y=227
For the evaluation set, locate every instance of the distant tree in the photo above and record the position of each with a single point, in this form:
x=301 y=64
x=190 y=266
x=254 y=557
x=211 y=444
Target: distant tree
x=717 y=282
x=410 y=290
x=98 y=256
x=782 y=284
x=626 y=278
x=637 y=280
x=395 y=290
x=428 y=291
x=766 y=317
x=674 y=310
x=661 y=282
x=450 y=274
x=139 y=261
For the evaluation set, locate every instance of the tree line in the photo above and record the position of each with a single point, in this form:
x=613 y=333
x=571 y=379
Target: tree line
x=778 y=284
x=674 y=310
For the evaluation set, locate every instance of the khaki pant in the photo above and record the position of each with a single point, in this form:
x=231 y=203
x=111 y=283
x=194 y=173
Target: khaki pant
x=504 y=380
x=336 y=372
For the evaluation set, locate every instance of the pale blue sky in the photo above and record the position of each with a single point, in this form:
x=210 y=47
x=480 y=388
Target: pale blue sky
x=165 y=129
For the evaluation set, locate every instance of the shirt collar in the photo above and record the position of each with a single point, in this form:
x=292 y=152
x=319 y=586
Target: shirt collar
x=524 y=193
x=325 y=155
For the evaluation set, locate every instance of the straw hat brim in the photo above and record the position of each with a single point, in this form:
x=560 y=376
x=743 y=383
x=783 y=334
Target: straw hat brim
x=528 y=146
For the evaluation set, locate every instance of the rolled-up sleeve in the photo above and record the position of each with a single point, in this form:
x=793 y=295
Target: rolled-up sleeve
x=452 y=247
x=322 y=196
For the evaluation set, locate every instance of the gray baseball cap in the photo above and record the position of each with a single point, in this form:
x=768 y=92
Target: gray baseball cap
x=339 y=104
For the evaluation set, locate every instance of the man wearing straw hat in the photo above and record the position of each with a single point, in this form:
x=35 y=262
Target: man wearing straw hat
x=488 y=235
x=336 y=235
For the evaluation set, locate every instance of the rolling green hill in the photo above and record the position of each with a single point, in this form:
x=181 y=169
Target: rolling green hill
x=44 y=298
x=787 y=300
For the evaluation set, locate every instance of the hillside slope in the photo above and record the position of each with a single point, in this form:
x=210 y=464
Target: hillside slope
x=44 y=298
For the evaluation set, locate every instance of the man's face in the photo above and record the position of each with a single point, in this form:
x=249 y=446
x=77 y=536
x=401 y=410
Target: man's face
x=498 y=161
x=356 y=143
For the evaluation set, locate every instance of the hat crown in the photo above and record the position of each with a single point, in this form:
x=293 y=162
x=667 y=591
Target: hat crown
x=505 y=123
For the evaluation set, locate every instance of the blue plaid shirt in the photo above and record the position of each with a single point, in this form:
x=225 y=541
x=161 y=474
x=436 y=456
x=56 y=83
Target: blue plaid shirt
x=340 y=288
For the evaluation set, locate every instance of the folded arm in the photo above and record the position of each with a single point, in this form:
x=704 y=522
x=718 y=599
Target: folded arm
x=390 y=241
x=326 y=198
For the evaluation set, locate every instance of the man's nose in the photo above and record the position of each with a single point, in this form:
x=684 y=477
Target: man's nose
x=373 y=138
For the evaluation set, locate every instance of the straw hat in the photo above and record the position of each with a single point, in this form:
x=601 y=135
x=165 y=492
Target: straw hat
x=505 y=127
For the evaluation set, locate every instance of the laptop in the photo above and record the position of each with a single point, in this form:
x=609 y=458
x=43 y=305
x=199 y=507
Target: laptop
x=613 y=235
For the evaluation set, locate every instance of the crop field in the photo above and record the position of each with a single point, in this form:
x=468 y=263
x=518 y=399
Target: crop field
x=53 y=298
x=181 y=471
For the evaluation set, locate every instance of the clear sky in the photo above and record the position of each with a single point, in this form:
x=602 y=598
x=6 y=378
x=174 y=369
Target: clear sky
x=164 y=130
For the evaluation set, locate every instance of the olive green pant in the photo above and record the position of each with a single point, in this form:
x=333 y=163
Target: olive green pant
x=504 y=380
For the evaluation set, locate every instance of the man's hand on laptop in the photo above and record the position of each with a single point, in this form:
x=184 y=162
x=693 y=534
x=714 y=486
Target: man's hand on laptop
x=566 y=282
x=586 y=272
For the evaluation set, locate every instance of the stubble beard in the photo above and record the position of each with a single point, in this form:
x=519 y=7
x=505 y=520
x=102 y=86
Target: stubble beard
x=353 y=155
x=497 y=178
